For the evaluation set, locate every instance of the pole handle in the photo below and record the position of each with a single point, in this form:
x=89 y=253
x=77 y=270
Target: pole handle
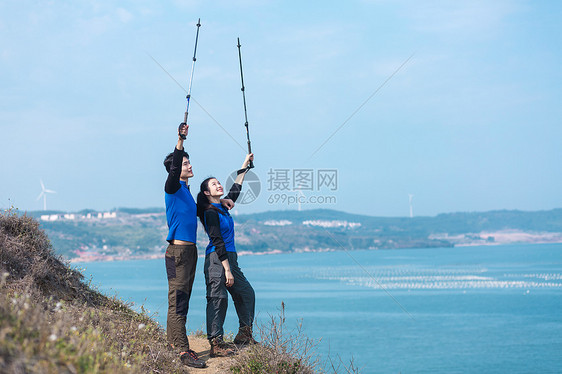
x=251 y=166
x=180 y=127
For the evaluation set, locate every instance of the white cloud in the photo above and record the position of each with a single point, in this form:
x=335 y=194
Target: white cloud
x=469 y=18
x=96 y=25
x=123 y=15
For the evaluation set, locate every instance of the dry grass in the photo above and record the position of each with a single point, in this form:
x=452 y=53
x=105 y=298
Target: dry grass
x=285 y=350
x=280 y=351
x=52 y=322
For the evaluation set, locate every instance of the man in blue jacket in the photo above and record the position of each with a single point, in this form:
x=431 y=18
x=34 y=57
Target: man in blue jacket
x=181 y=254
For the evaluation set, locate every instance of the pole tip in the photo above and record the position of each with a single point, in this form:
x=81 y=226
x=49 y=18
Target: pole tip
x=199 y=22
x=239 y=45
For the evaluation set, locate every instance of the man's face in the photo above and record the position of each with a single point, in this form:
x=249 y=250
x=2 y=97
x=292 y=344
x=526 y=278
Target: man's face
x=186 y=170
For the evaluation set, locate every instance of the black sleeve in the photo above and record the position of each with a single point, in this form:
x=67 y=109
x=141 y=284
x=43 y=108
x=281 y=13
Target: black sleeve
x=173 y=182
x=234 y=192
x=213 y=227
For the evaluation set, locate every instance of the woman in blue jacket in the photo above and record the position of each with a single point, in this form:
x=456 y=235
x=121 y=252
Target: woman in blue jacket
x=222 y=273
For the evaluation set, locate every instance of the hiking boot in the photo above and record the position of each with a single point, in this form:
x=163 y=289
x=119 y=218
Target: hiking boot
x=220 y=348
x=191 y=359
x=244 y=336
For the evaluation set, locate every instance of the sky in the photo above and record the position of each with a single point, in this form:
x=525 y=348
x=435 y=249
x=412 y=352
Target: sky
x=352 y=106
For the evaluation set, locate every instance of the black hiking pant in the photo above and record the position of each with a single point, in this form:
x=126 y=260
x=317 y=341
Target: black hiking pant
x=181 y=261
x=241 y=292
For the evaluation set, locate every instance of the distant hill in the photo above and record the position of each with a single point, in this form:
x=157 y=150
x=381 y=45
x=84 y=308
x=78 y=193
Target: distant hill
x=131 y=232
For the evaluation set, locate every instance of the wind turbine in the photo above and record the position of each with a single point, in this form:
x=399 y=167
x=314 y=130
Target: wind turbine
x=299 y=199
x=410 y=197
x=43 y=194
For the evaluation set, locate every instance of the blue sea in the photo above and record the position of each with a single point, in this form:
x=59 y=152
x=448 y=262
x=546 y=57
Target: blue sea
x=483 y=309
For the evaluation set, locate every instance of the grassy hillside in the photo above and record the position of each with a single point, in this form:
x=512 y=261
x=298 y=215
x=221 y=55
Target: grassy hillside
x=51 y=321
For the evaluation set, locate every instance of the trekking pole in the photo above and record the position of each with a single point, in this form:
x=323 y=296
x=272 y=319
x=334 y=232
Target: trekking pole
x=245 y=112
x=190 y=80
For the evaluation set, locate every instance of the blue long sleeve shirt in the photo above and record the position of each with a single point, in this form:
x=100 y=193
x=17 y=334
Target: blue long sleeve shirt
x=181 y=209
x=220 y=226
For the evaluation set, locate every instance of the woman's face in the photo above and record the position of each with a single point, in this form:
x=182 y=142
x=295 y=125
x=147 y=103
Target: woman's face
x=215 y=188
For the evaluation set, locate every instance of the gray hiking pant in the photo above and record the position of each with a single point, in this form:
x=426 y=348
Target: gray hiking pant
x=181 y=261
x=217 y=298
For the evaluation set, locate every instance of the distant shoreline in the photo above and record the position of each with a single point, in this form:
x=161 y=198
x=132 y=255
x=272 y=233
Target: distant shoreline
x=502 y=237
x=507 y=240
x=109 y=258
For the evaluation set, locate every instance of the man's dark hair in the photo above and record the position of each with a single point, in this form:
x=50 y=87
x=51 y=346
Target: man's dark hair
x=168 y=160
